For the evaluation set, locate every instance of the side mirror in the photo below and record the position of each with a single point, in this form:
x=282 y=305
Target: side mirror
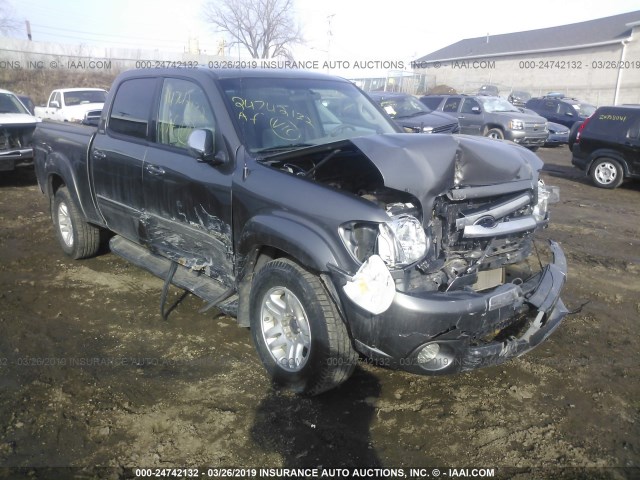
x=54 y=104
x=201 y=147
x=475 y=109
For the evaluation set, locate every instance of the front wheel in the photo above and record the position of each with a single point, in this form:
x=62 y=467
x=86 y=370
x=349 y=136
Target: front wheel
x=77 y=238
x=495 y=133
x=298 y=331
x=606 y=173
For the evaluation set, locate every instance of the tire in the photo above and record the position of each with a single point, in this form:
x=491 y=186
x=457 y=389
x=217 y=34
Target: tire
x=533 y=149
x=312 y=328
x=77 y=238
x=494 y=133
x=606 y=173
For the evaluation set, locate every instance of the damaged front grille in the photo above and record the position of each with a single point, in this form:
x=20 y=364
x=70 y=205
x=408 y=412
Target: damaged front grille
x=475 y=238
x=487 y=233
x=15 y=139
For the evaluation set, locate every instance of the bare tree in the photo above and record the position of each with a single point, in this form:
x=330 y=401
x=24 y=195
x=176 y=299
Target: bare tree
x=8 y=23
x=264 y=27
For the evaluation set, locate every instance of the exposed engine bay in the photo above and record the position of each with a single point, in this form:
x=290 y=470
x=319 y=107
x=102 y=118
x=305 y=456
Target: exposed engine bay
x=447 y=248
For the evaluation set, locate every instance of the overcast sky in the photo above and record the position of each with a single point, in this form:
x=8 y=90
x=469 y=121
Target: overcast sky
x=403 y=30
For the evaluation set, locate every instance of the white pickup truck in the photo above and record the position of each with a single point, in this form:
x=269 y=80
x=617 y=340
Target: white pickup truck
x=73 y=105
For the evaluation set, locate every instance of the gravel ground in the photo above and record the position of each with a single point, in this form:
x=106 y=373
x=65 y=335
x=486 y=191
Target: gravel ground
x=91 y=376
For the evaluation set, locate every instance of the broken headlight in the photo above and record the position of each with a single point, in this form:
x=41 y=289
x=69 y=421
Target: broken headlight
x=546 y=196
x=400 y=241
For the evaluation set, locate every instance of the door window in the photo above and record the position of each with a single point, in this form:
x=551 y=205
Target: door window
x=468 y=105
x=451 y=105
x=132 y=107
x=183 y=109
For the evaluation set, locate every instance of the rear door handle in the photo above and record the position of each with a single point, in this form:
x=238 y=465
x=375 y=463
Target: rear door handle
x=154 y=170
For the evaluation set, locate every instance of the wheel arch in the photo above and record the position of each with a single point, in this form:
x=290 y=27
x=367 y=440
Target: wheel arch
x=268 y=237
x=608 y=153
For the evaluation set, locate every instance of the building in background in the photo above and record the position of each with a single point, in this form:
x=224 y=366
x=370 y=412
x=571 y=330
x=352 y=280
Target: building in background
x=597 y=61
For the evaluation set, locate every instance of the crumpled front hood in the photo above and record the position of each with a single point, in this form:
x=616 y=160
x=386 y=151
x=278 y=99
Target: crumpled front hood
x=425 y=165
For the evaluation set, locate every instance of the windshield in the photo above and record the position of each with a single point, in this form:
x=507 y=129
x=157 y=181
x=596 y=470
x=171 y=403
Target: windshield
x=497 y=104
x=9 y=103
x=584 y=109
x=287 y=113
x=81 y=97
x=402 y=107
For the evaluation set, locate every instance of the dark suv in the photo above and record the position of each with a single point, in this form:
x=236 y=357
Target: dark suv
x=607 y=145
x=563 y=110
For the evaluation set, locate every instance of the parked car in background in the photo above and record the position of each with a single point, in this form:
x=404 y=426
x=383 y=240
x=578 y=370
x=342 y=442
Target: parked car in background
x=607 y=146
x=16 y=132
x=558 y=134
x=494 y=117
x=27 y=102
x=73 y=104
x=519 y=98
x=490 y=90
x=408 y=112
x=563 y=110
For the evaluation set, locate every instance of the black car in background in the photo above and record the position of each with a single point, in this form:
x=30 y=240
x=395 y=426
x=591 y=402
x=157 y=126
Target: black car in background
x=563 y=110
x=607 y=145
x=408 y=112
x=519 y=98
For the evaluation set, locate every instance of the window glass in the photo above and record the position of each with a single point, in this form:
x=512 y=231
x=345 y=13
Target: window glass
x=431 y=102
x=634 y=130
x=468 y=105
x=549 y=106
x=55 y=98
x=451 y=105
x=290 y=113
x=132 y=107
x=9 y=103
x=183 y=109
x=563 y=109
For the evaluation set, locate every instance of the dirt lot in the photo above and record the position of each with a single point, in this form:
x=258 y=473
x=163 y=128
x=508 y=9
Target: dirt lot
x=90 y=375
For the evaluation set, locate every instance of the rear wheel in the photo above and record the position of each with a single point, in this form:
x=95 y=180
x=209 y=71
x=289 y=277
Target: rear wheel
x=606 y=173
x=77 y=238
x=298 y=331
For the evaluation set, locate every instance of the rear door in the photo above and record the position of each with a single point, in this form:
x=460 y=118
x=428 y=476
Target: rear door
x=187 y=202
x=117 y=156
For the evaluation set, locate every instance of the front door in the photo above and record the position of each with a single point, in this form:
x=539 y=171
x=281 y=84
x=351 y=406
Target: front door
x=187 y=215
x=470 y=117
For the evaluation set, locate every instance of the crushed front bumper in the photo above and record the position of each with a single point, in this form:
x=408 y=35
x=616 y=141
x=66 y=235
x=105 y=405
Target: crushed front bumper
x=471 y=329
x=12 y=158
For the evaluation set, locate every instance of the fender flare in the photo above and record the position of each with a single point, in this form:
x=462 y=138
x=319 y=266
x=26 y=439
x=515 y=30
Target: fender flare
x=296 y=236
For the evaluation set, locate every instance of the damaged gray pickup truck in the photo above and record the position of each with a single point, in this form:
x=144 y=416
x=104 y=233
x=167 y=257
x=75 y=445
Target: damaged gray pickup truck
x=290 y=200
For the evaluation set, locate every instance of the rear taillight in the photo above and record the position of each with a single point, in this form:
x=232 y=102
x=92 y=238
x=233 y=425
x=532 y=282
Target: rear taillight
x=580 y=128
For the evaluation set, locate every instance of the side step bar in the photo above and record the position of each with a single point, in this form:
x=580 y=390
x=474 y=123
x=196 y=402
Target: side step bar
x=195 y=282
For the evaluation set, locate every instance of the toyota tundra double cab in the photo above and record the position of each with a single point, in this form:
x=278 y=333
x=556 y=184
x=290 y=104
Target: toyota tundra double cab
x=291 y=201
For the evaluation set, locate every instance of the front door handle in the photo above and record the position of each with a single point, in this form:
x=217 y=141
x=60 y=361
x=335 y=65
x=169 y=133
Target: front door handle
x=155 y=170
x=98 y=155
